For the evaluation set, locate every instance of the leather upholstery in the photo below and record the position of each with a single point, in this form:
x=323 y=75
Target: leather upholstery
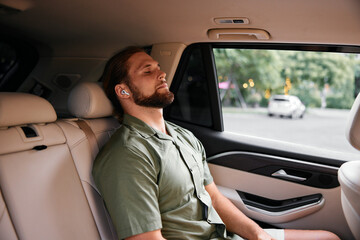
x=83 y=151
x=83 y=156
x=349 y=174
x=7 y=230
x=47 y=192
x=43 y=193
x=22 y=108
x=349 y=178
x=40 y=186
x=353 y=125
x=88 y=100
x=13 y=139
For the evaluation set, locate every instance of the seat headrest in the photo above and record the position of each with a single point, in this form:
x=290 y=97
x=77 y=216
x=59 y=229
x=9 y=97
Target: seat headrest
x=353 y=125
x=23 y=108
x=88 y=100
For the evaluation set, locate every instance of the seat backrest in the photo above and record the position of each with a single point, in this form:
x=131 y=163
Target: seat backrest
x=352 y=131
x=349 y=178
x=88 y=102
x=349 y=174
x=42 y=196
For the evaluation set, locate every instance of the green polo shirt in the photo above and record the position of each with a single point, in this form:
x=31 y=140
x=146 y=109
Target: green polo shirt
x=150 y=180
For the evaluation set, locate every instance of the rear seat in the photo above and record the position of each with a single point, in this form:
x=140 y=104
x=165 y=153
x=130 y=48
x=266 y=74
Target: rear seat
x=88 y=102
x=46 y=188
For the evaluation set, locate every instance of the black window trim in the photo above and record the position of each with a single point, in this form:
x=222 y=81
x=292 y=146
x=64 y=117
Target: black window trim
x=210 y=71
x=211 y=74
x=291 y=47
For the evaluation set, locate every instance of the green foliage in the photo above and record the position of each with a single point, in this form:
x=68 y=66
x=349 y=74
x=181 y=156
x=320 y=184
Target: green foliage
x=253 y=99
x=264 y=102
x=311 y=75
x=308 y=93
x=338 y=101
x=243 y=64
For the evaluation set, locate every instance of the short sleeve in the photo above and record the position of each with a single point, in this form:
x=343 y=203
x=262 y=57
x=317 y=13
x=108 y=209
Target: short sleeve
x=128 y=184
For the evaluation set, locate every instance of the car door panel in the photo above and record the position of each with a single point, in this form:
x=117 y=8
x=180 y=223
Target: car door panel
x=266 y=188
x=235 y=163
x=325 y=214
x=305 y=173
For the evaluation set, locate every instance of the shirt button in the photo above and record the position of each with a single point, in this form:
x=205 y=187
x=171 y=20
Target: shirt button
x=209 y=221
x=191 y=170
x=199 y=196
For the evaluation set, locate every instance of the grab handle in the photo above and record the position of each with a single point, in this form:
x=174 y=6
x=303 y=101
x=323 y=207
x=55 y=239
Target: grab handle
x=284 y=175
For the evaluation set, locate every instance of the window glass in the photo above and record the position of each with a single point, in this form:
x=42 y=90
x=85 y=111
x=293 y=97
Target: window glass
x=8 y=60
x=192 y=102
x=301 y=97
x=17 y=60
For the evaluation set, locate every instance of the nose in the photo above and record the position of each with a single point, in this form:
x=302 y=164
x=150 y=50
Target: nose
x=162 y=75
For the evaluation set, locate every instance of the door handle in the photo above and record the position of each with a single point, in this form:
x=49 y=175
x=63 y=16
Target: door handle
x=284 y=175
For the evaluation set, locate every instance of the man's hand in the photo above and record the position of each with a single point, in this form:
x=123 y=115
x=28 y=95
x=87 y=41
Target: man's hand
x=233 y=218
x=264 y=236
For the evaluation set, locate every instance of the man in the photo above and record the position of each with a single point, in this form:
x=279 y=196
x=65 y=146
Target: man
x=153 y=174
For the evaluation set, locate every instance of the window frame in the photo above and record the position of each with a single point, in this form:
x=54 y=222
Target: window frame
x=210 y=72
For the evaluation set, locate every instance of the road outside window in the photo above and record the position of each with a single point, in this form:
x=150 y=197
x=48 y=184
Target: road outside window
x=301 y=97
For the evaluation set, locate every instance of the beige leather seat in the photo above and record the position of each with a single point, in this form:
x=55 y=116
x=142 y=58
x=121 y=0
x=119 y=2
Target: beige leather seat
x=349 y=174
x=42 y=196
x=47 y=191
x=88 y=103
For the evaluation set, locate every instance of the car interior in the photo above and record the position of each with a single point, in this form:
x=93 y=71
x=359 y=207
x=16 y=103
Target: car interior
x=55 y=116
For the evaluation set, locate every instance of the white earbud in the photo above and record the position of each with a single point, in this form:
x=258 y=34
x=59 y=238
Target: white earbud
x=123 y=92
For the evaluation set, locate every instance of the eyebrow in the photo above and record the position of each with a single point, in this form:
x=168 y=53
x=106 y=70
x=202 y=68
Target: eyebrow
x=146 y=66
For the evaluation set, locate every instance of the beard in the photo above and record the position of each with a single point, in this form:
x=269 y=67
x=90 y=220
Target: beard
x=156 y=100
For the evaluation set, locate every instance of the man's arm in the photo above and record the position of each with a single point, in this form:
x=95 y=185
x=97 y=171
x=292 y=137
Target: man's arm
x=233 y=218
x=153 y=235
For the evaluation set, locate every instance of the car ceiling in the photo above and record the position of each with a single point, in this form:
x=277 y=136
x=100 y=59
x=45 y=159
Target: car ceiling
x=96 y=28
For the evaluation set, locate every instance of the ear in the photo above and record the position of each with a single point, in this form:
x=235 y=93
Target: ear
x=118 y=90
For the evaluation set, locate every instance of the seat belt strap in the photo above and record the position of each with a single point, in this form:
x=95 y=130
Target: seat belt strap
x=93 y=146
x=90 y=136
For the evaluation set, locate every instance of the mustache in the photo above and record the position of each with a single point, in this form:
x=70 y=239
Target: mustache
x=162 y=83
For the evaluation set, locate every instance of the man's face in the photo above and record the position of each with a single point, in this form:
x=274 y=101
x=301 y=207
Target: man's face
x=147 y=82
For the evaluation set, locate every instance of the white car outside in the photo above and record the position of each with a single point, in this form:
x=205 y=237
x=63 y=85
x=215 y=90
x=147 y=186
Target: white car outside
x=286 y=106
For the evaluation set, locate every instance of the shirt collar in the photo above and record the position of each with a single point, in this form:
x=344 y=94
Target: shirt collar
x=171 y=130
x=146 y=131
x=139 y=126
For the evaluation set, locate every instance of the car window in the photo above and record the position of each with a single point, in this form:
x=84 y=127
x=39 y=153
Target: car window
x=17 y=60
x=8 y=62
x=301 y=97
x=191 y=103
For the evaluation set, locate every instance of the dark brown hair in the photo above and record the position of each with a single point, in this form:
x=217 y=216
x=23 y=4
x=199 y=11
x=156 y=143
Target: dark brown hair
x=116 y=71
